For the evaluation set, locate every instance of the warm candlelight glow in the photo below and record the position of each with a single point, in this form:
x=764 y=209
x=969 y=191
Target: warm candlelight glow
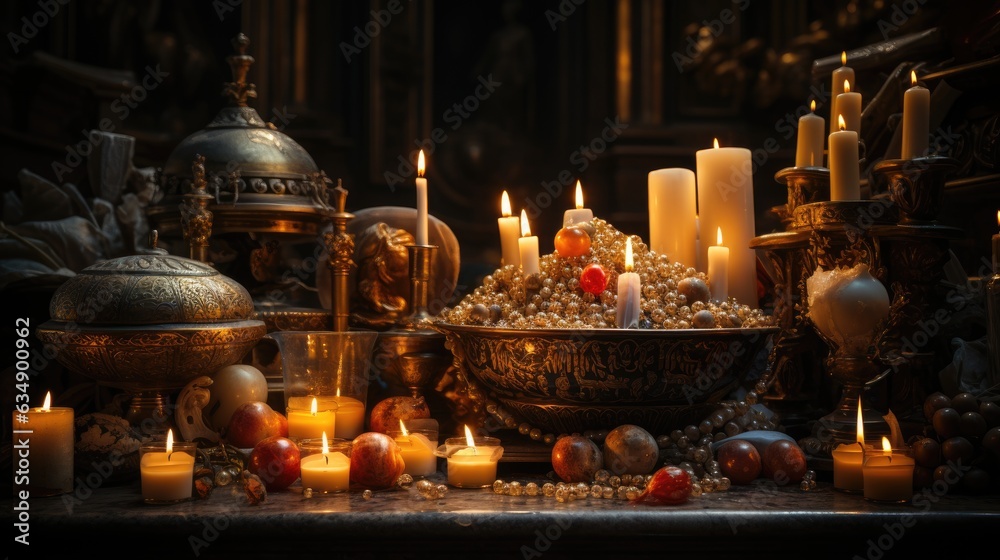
x=628 y=255
x=861 y=425
x=840 y=122
x=886 y=446
x=326 y=444
x=998 y=217
x=579 y=195
x=315 y=407
x=402 y=428
x=843 y=58
x=48 y=396
x=421 y=166
x=715 y=143
x=812 y=105
x=505 y=205
x=468 y=437
x=718 y=237
x=913 y=77
x=170 y=443
x=525 y=228
x=847 y=86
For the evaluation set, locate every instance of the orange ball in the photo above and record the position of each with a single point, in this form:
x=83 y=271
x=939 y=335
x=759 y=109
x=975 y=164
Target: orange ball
x=572 y=242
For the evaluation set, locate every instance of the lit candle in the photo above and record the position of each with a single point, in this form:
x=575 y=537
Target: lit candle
x=725 y=198
x=888 y=474
x=629 y=289
x=350 y=417
x=718 y=269
x=474 y=466
x=673 y=219
x=418 y=452
x=527 y=246
x=47 y=434
x=167 y=476
x=916 y=119
x=810 y=141
x=840 y=75
x=579 y=214
x=421 y=235
x=510 y=230
x=309 y=423
x=845 y=173
x=326 y=472
x=847 y=460
x=849 y=105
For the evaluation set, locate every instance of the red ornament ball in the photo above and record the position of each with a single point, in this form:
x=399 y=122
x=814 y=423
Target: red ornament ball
x=593 y=279
x=572 y=241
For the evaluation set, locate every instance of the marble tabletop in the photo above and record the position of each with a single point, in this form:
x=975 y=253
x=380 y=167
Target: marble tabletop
x=757 y=520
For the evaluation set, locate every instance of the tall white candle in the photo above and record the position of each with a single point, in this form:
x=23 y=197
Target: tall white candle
x=725 y=198
x=629 y=288
x=421 y=235
x=810 y=141
x=916 y=119
x=510 y=230
x=849 y=105
x=527 y=246
x=718 y=269
x=841 y=74
x=49 y=433
x=673 y=206
x=580 y=214
x=845 y=173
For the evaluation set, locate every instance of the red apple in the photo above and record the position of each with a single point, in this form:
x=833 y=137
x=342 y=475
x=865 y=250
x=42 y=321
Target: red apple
x=252 y=422
x=376 y=461
x=385 y=416
x=276 y=461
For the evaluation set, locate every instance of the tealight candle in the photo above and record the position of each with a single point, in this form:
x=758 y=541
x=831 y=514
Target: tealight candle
x=510 y=230
x=167 y=470
x=472 y=462
x=307 y=421
x=45 y=436
x=420 y=238
x=888 y=473
x=916 y=119
x=417 y=449
x=843 y=74
x=326 y=472
x=528 y=248
x=847 y=460
x=350 y=417
x=579 y=214
x=629 y=288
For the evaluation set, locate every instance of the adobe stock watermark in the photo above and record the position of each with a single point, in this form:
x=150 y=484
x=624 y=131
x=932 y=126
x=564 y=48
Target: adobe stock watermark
x=580 y=158
x=564 y=10
x=363 y=35
x=710 y=29
x=456 y=116
x=899 y=14
x=31 y=25
x=544 y=539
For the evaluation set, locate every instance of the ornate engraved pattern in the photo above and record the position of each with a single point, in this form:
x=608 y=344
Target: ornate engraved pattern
x=916 y=185
x=570 y=419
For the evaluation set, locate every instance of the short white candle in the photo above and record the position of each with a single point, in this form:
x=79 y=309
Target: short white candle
x=888 y=474
x=579 y=214
x=673 y=207
x=326 y=472
x=528 y=248
x=350 y=421
x=307 y=419
x=510 y=230
x=629 y=289
x=421 y=235
x=916 y=119
x=417 y=451
x=849 y=105
x=718 y=269
x=166 y=476
x=845 y=172
x=49 y=432
x=811 y=138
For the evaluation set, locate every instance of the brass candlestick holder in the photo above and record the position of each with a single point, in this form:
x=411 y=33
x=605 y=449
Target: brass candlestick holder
x=196 y=218
x=421 y=264
x=340 y=251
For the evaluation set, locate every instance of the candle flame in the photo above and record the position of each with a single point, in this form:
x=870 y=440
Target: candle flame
x=843 y=58
x=715 y=142
x=913 y=78
x=402 y=428
x=421 y=166
x=886 y=446
x=861 y=425
x=847 y=86
x=841 y=124
x=315 y=408
x=998 y=217
x=628 y=255
x=48 y=396
x=468 y=437
x=326 y=444
x=579 y=195
x=170 y=442
x=812 y=105
x=338 y=392
x=505 y=205
x=525 y=227
x=718 y=237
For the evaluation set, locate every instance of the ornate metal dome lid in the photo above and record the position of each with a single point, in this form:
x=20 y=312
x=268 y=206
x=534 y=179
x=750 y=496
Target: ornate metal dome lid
x=261 y=179
x=150 y=289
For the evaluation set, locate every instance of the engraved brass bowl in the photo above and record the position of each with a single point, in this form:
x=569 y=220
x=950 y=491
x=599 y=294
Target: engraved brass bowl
x=569 y=380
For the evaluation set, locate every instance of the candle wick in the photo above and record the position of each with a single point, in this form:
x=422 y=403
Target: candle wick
x=327 y=459
x=169 y=455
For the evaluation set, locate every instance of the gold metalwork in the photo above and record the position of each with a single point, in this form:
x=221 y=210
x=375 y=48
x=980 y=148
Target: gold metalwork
x=421 y=263
x=805 y=185
x=340 y=251
x=196 y=218
x=382 y=286
x=916 y=185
